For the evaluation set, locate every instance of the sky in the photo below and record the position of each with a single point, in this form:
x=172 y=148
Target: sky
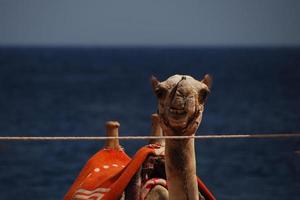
x=150 y=22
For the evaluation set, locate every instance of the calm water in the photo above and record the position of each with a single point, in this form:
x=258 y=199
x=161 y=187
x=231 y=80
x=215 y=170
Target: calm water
x=65 y=91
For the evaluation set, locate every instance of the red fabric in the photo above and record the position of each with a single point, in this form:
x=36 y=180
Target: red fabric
x=99 y=173
x=108 y=172
x=119 y=186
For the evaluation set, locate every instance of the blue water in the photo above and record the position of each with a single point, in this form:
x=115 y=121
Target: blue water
x=74 y=91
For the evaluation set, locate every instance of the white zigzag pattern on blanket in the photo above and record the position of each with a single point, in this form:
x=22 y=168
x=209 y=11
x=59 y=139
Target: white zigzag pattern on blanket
x=92 y=191
x=78 y=196
x=89 y=194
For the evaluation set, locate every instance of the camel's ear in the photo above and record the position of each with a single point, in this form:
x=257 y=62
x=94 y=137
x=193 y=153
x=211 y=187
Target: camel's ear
x=207 y=80
x=157 y=89
x=154 y=82
x=203 y=93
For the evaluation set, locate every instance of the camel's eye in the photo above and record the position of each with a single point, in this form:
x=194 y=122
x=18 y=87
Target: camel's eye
x=160 y=92
x=203 y=93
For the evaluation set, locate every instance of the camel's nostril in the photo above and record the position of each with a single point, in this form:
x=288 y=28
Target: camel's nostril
x=178 y=103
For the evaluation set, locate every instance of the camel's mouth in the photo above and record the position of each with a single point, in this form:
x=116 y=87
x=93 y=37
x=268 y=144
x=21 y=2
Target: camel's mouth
x=175 y=111
x=177 y=118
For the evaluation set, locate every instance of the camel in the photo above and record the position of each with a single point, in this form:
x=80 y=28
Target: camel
x=181 y=100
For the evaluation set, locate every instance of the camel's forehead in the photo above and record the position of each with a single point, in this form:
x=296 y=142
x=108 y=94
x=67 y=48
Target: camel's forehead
x=173 y=80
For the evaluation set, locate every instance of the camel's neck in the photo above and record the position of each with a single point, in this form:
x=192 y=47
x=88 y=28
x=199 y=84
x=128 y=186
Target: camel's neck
x=181 y=169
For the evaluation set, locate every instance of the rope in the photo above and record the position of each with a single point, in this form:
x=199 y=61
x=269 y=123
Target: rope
x=74 y=138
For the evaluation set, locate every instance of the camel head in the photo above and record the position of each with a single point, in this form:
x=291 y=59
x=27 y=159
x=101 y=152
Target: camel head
x=181 y=100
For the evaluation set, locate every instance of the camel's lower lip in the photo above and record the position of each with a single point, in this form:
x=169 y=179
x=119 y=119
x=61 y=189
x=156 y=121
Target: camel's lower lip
x=177 y=123
x=178 y=119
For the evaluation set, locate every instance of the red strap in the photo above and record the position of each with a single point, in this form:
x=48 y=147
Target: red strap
x=121 y=183
x=204 y=190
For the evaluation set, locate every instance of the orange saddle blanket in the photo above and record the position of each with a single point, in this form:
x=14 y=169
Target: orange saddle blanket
x=108 y=172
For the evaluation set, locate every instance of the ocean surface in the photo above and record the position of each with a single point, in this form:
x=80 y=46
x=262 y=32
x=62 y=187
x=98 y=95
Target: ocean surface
x=74 y=91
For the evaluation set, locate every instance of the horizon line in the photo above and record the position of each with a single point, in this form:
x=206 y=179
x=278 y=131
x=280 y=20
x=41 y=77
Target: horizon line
x=132 y=46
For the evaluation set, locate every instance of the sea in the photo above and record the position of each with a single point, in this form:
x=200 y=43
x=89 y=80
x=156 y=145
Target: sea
x=73 y=91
